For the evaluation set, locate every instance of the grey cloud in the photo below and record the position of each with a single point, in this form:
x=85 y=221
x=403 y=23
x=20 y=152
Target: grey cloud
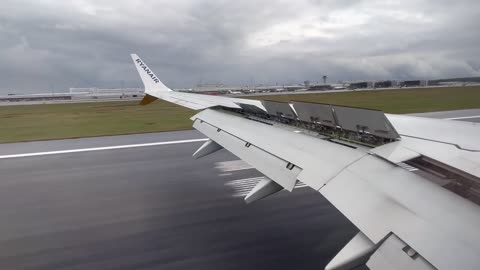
x=83 y=43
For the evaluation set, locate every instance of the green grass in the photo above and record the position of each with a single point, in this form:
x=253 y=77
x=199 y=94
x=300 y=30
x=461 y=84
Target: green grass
x=397 y=101
x=55 y=121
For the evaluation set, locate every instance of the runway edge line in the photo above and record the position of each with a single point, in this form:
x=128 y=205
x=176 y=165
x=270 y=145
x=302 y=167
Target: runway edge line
x=104 y=148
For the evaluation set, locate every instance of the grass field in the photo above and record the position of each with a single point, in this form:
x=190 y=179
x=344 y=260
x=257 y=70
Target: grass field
x=54 y=121
x=397 y=101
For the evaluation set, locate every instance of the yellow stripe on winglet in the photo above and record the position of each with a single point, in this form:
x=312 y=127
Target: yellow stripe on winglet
x=147 y=99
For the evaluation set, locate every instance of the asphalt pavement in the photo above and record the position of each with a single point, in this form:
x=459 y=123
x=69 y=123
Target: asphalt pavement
x=154 y=207
x=470 y=115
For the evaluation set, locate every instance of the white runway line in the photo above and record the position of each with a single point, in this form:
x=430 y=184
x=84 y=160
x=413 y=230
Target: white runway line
x=242 y=187
x=232 y=166
x=247 y=180
x=464 y=117
x=100 y=148
x=239 y=169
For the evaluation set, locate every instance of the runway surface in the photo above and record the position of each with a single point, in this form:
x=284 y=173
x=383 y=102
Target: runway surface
x=154 y=207
x=471 y=115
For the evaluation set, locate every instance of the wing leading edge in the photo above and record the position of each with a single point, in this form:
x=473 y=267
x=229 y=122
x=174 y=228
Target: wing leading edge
x=354 y=158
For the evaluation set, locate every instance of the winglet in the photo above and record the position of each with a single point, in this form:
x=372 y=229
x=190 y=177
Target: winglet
x=151 y=82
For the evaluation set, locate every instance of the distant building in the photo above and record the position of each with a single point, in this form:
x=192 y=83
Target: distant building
x=414 y=83
x=383 y=84
x=320 y=87
x=456 y=81
x=35 y=97
x=292 y=88
x=106 y=92
x=361 y=85
x=210 y=87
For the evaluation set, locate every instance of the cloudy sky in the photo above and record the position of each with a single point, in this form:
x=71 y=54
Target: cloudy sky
x=58 y=44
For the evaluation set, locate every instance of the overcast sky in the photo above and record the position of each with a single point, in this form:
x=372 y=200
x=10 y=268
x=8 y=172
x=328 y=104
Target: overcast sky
x=47 y=44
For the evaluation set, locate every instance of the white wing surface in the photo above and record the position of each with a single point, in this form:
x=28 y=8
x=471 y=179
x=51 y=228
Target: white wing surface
x=411 y=185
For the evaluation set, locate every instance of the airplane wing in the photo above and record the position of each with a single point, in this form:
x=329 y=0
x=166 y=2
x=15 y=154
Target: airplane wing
x=411 y=185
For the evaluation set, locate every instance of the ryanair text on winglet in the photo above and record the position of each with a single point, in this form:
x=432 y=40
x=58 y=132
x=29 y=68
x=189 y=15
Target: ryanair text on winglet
x=147 y=70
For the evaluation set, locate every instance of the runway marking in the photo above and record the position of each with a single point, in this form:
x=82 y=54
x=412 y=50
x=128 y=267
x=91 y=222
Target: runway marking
x=99 y=148
x=463 y=117
x=232 y=166
x=242 y=187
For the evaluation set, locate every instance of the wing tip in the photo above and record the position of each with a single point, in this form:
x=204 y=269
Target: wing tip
x=150 y=81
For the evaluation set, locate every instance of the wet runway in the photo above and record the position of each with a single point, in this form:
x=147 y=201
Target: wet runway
x=470 y=115
x=155 y=208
